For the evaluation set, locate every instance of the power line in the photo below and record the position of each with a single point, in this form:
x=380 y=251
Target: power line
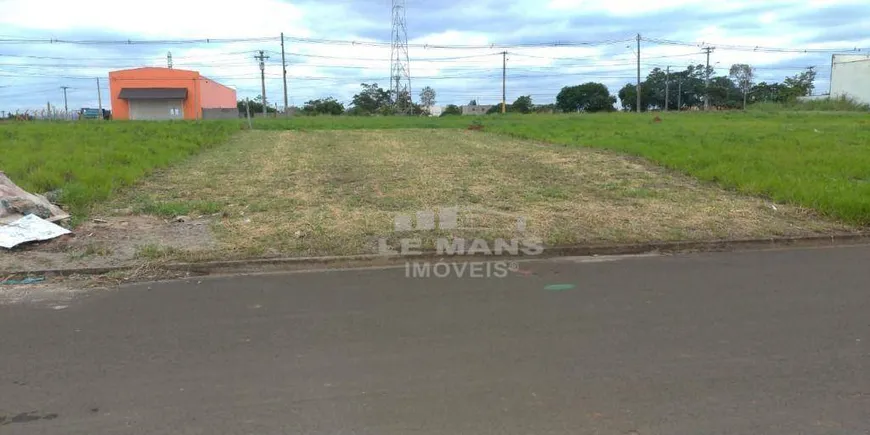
x=756 y=48
x=135 y=42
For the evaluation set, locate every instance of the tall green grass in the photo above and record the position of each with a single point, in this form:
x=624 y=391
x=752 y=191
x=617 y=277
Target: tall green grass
x=840 y=104
x=819 y=160
x=88 y=161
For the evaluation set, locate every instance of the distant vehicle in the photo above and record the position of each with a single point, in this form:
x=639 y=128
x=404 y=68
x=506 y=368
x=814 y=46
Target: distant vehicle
x=86 y=113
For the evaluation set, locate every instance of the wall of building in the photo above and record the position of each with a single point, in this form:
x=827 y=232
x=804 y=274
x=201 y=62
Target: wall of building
x=232 y=113
x=154 y=78
x=850 y=76
x=215 y=95
x=480 y=109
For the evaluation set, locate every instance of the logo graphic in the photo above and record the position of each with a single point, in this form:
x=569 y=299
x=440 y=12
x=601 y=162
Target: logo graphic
x=448 y=219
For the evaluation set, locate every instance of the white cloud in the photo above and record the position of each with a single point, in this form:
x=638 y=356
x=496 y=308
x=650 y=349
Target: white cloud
x=640 y=7
x=159 y=18
x=320 y=70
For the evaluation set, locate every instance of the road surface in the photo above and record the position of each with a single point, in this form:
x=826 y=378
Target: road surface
x=773 y=342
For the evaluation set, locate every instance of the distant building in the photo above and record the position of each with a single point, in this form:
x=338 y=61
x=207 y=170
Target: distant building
x=435 y=110
x=164 y=94
x=850 y=77
x=479 y=109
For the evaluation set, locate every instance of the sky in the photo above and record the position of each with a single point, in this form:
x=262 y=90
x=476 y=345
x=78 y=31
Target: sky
x=455 y=47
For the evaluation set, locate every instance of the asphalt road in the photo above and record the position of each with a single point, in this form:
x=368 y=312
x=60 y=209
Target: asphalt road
x=771 y=342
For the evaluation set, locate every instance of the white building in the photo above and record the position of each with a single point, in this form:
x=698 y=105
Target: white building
x=850 y=77
x=478 y=109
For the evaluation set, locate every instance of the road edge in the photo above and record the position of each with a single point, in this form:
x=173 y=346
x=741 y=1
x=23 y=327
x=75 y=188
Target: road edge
x=337 y=262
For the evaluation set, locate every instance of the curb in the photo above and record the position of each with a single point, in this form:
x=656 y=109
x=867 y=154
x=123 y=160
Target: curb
x=337 y=262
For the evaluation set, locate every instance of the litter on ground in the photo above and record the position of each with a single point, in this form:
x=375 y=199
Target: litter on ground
x=16 y=203
x=29 y=280
x=30 y=228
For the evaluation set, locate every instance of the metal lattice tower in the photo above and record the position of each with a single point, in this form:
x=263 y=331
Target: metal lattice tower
x=400 y=63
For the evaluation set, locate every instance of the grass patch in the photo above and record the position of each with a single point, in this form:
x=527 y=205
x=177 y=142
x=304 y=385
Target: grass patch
x=840 y=104
x=89 y=161
x=155 y=252
x=361 y=122
x=91 y=250
x=790 y=154
x=338 y=192
x=170 y=209
x=815 y=160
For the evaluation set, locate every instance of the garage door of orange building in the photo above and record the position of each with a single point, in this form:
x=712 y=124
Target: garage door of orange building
x=151 y=110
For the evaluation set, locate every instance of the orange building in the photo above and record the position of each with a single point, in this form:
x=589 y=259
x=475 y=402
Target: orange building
x=164 y=93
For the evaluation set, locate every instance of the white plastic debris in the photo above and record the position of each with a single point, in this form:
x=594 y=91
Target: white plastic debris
x=30 y=228
x=16 y=203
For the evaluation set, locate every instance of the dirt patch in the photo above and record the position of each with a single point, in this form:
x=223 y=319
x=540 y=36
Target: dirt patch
x=111 y=241
x=317 y=193
x=272 y=194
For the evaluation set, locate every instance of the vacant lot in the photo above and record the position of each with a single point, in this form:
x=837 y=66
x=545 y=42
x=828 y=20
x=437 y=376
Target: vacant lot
x=818 y=160
x=90 y=160
x=337 y=192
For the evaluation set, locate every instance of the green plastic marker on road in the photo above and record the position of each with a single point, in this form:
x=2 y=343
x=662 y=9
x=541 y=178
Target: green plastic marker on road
x=559 y=287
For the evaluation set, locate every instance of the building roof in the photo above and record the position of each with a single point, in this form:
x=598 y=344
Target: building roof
x=157 y=68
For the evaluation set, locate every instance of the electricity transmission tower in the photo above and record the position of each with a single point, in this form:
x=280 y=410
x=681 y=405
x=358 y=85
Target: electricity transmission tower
x=400 y=63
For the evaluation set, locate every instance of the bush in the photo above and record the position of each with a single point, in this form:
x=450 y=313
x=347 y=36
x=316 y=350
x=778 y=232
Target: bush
x=451 y=109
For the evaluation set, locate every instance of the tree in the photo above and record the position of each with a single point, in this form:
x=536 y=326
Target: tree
x=588 y=97
x=496 y=108
x=256 y=106
x=628 y=97
x=372 y=100
x=472 y=103
x=451 y=109
x=427 y=97
x=742 y=74
x=523 y=104
x=724 y=93
x=405 y=105
x=325 y=106
x=801 y=84
x=763 y=92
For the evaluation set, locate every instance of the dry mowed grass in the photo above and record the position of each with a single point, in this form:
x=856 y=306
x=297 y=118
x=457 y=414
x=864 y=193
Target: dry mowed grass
x=337 y=192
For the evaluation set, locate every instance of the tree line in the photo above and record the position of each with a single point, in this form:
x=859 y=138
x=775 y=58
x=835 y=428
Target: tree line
x=678 y=90
x=687 y=89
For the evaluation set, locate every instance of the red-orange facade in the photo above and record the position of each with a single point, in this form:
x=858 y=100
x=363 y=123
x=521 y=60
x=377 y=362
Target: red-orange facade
x=164 y=93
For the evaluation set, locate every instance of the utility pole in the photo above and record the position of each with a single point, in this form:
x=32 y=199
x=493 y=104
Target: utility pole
x=680 y=95
x=100 y=98
x=667 y=86
x=262 y=60
x=503 y=82
x=65 y=107
x=248 y=111
x=284 y=66
x=638 y=73
x=707 y=79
